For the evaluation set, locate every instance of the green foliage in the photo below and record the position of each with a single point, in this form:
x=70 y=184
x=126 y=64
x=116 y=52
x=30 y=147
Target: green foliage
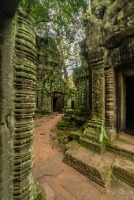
x=89 y=18
x=71 y=89
x=57 y=18
x=113 y=166
x=37 y=192
x=97 y=12
x=103 y=134
x=71 y=82
x=40 y=197
x=63 y=124
x=41 y=112
x=101 y=5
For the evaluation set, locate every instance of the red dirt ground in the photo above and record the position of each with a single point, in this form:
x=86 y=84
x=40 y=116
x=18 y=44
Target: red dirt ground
x=43 y=148
x=57 y=180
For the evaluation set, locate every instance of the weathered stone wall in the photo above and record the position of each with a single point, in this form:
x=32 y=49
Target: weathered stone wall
x=118 y=39
x=96 y=63
x=110 y=48
x=109 y=41
x=50 y=83
x=81 y=80
x=71 y=103
x=17 y=80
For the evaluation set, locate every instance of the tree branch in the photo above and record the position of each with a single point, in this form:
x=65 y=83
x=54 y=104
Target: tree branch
x=46 y=21
x=62 y=8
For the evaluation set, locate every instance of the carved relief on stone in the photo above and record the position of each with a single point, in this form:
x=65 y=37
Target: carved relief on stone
x=24 y=98
x=110 y=100
x=96 y=64
x=125 y=52
x=97 y=92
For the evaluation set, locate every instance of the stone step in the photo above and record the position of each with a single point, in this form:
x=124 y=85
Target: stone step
x=94 y=146
x=75 y=135
x=95 y=121
x=121 y=148
x=91 y=134
x=67 y=119
x=91 y=164
x=124 y=171
x=99 y=167
x=92 y=131
x=129 y=139
x=94 y=125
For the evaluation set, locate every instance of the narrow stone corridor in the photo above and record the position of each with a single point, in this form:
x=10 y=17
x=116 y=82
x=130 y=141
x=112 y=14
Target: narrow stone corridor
x=57 y=180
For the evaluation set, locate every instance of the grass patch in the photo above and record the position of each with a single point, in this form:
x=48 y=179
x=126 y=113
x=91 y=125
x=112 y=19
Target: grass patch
x=40 y=113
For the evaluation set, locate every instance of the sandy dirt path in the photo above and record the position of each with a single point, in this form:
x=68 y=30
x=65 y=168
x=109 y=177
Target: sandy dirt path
x=43 y=147
x=57 y=180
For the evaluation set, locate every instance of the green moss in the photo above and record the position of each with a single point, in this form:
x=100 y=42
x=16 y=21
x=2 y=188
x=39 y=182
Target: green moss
x=60 y=133
x=79 y=131
x=24 y=14
x=37 y=195
x=41 y=112
x=37 y=115
x=40 y=197
x=63 y=124
x=113 y=166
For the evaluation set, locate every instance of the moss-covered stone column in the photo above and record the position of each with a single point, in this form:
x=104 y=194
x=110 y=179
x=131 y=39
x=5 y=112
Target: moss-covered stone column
x=24 y=105
x=6 y=107
x=81 y=80
x=97 y=79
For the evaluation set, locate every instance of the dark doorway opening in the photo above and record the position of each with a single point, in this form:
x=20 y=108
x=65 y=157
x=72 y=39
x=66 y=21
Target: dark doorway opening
x=72 y=104
x=130 y=105
x=55 y=102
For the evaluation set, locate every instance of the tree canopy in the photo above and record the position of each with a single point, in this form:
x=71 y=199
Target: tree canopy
x=61 y=20
x=56 y=18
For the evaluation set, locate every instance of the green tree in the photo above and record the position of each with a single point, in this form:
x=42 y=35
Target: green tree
x=56 y=18
x=59 y=19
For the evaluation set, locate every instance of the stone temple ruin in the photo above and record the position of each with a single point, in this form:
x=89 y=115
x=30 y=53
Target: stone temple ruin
x=103 y=149
x=19 y=55
x=52 y=92
x=50 y=86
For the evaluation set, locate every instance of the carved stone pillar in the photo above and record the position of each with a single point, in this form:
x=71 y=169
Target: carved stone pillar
x=97 y=93
x=17 y=103
x=110 y=105
x=97 y=72
x=24 y=105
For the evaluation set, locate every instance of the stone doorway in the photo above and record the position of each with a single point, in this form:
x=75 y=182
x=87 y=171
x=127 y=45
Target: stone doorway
x=129 y=105
x=57 y=102
x=55 y=105
x=125 y=101
x=72 y=104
